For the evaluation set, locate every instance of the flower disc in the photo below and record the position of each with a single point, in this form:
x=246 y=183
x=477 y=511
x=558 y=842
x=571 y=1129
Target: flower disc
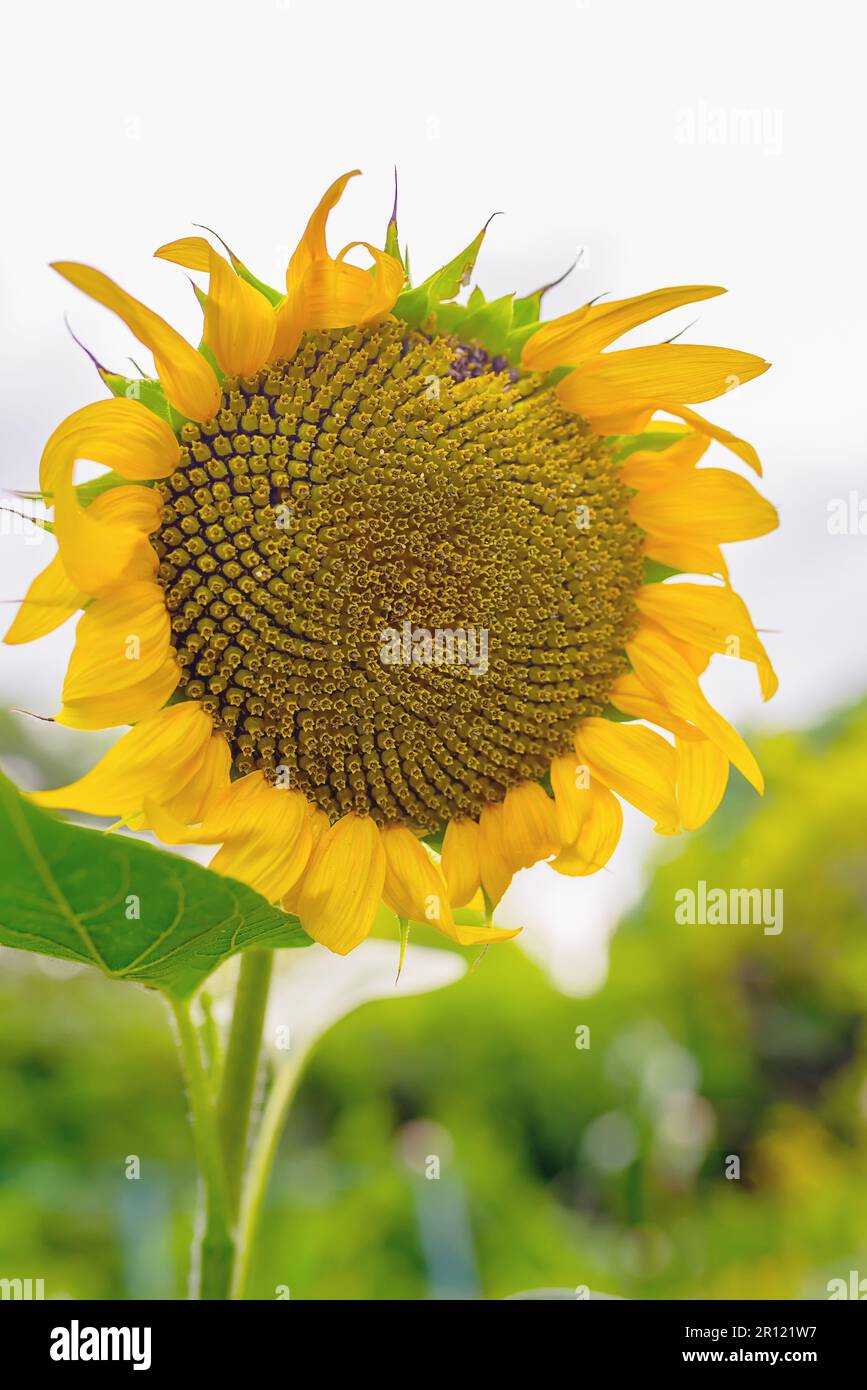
x=399 y=578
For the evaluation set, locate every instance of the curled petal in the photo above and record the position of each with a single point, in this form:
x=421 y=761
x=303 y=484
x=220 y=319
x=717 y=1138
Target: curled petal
x=185 y=376
x=173 y=757
x=239 y=321
x=122 y=667
x=598 y=836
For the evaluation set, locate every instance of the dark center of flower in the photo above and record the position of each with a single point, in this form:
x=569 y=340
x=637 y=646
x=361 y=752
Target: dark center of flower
x=398 y=578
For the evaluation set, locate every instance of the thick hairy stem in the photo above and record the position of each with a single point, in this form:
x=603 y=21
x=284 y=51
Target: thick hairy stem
x=217 y=1248
x=240 y=1069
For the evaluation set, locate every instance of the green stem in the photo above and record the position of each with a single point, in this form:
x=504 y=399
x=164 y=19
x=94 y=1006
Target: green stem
x=241 y=1068
x=261 y=1163
x=217 y=1248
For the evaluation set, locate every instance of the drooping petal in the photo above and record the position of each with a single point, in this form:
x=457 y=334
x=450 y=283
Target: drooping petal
x=702 y=774
x=710 y=616
x=186 y=377
x=263 y=830
x=158 y=759
x=494 y=867
x=668 y=675
x=631 y=697
x=570 y=340
x=635 y=762
x=122 y=667
x=414 y=887
x=460 y=860
x=710 y=504
x=239 y=322
x=530 y=829
x=598 y=836
x=342 y=886
x=740 y=447
x=569 y=780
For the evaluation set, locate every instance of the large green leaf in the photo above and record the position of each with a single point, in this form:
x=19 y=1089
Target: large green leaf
x=136 y=912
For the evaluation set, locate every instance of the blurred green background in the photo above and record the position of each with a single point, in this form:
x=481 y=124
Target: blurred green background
x=712 y=1049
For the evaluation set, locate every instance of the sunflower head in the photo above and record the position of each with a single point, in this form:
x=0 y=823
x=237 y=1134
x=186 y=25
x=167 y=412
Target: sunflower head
x=391 y=587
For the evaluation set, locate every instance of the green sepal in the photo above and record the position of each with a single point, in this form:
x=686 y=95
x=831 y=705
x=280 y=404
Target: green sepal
x=136 y=912
x=415 y=306
x=89 y=491
x=654 y=572
x=435 y=839
x=148 y=391
x=651 y=440
x=392 y=246
x=617 y=716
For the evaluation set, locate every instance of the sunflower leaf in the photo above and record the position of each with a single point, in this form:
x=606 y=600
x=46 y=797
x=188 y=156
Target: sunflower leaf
x=136 y=912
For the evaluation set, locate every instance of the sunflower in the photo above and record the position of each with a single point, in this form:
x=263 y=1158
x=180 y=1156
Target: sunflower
x=356 y=462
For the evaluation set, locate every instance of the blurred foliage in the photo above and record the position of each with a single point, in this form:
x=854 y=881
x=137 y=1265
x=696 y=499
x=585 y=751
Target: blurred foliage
x=710 y=1046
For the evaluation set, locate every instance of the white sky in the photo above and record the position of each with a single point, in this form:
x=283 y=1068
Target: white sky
x=615 y=126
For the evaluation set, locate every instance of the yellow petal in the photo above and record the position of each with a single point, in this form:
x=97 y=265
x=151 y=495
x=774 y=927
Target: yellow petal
x=122 y=667
x=312 y=247
x=336 y=294
x=120 y=434
x=567 y=341
x=460 y=860
x=668 y=675
x=156 y=759
x=635 y=762
x=650 y=468
x=530 y=829
x=710 y=616
x=239 y=321
x=50 y=600
x=702 y=774
x=688 y=557
x=494 y=868
x=264 y=832
x=631 y=697
x=106 y=544
x=710 y=504
x=618 y=392
x=318 y=823
x=744 y=451
x=598 y=836
x=569 y=780
x=186 y=377
x=414 y=886
x=342 y=886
